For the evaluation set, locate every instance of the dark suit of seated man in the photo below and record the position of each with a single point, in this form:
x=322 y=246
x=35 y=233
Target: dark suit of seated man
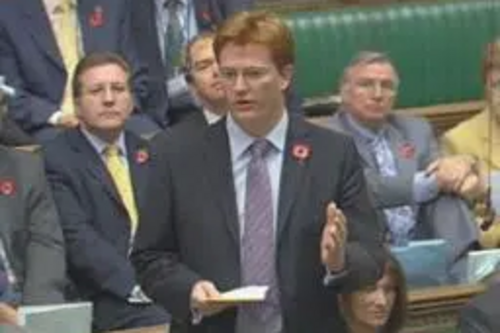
x=416 y=190
x=98 y=173
x=259 y=198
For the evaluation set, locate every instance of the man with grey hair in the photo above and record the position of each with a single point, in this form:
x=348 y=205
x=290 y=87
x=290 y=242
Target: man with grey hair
x=416 y=191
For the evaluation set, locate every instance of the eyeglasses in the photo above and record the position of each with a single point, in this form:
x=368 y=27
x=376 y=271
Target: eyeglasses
x=250 y=74
x=384 y=87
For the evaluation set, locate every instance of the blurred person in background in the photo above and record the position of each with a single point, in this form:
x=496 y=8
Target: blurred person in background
x=479 y=136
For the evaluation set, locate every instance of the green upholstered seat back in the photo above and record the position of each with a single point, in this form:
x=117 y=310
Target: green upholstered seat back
x=437 y=47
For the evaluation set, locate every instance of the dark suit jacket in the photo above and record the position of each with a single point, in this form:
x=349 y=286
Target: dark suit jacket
x=189 y=228
x=30 y=228
x=95 y=221
x=31 y=62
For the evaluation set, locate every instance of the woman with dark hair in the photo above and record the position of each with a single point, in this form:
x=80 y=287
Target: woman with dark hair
x=380 y=307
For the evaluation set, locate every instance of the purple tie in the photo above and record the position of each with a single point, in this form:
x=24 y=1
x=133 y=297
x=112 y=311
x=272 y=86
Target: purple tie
x=258 y=241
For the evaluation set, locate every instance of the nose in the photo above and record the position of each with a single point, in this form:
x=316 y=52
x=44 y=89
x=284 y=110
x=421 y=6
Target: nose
x=108 y=95
x=240 y=84
x=215 y=70
x=377 y=91
x=381 y=298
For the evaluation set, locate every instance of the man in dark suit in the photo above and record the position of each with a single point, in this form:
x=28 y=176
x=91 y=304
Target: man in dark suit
x=409 y=180
x=221 y=213
x=98 y=173
x=32 y=257
x=203 y=78
x=38 y=54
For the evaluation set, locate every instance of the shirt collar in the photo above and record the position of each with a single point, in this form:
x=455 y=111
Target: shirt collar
x=211 y=117
x=363 y=132
x=51 y=6
x=239 y=140
x=100 y=145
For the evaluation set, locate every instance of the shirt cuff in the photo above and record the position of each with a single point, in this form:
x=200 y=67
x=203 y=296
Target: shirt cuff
x=425 y=187
x=332 y=278
x=196 y=317
x=54 y=118
x=137 y=296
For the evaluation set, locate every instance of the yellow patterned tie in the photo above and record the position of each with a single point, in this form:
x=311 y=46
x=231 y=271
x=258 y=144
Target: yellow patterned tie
x=66 y=32
x=121 y=177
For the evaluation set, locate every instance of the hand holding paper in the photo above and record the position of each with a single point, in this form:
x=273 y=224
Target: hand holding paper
x=201 y=294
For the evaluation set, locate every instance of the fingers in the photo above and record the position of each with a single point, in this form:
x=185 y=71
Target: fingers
x=335 y=222
x=8 y=315
x=202 y=293
x=333 y=238
x=432 y=168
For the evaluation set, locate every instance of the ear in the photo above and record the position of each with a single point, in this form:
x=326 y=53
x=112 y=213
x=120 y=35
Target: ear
x=286 y=74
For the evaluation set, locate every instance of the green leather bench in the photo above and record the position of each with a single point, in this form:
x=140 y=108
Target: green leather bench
x=437 y=47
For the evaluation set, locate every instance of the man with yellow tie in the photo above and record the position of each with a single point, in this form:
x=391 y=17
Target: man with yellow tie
x=40 y=43
x=97 y=172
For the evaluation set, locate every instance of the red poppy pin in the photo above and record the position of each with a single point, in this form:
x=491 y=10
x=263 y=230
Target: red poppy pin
x=407 y=150
x=206 y=16
x=96 y=18
x=301 y=151
x=141 y=156
x=7 y=187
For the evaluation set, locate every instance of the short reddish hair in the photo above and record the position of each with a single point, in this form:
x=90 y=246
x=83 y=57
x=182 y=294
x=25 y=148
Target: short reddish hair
x=257 y=27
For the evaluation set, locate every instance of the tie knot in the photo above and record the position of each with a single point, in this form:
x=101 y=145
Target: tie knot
x=111 y=151
x=260 y=148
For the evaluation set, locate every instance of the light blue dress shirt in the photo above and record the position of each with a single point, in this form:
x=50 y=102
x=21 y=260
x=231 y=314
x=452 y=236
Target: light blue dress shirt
x=239 y=143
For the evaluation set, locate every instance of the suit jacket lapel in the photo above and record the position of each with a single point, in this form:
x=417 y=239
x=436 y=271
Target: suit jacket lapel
x=39 y=26
x=93 y=162
x=292 y=172
x=220 y=176
x=340 y=122
x=138 y=156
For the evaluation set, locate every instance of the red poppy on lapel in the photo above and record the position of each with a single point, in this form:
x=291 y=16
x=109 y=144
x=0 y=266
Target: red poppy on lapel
x=96 y=18
x=206 y=16
x=301 y=151
x=141 y=156
x=407 y=150
x=7 y=187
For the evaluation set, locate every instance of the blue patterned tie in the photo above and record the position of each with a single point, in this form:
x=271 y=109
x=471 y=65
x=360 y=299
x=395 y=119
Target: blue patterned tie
x=400 y=220
x=174 y=38
x=258 y=240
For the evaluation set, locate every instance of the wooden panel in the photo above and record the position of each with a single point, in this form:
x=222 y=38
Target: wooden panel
x=435 y=310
